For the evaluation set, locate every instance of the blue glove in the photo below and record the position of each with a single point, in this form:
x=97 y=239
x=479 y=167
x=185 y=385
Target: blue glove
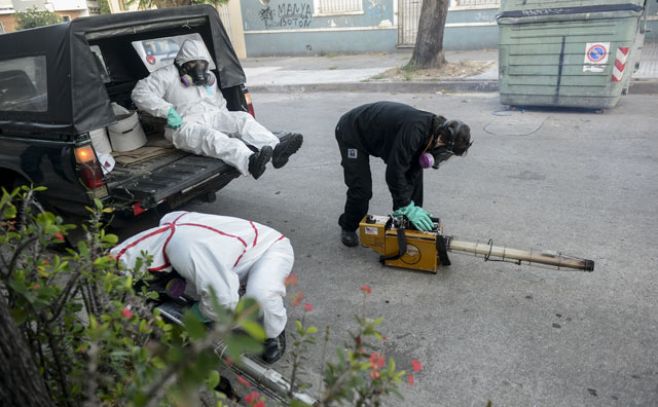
x=173 y=118
x=418 y=216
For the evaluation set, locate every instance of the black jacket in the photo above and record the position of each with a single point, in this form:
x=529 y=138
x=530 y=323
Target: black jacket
x=395 y=132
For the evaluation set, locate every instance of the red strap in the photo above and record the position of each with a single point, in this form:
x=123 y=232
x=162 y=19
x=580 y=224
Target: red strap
x=176 y=220
x=143 y=238
x=255 y=232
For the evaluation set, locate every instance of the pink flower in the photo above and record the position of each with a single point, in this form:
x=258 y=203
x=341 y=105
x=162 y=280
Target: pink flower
x=410 y=379
x=243 y=381
x=374 y=374
x=58 y=236
x=308 y=307
x=297 y=299
x=252 y=397
x=366 y=289
x=377 y=361
x=291 y=280
x=127 y=312
x=416 y=366
x=260 y=403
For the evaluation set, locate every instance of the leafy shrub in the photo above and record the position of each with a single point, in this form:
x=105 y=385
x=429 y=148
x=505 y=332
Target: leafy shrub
x=80 y=334
x=33 y=17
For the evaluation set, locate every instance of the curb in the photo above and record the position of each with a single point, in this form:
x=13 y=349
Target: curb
x=643 y=87
x=638 y=87
x=384 y=87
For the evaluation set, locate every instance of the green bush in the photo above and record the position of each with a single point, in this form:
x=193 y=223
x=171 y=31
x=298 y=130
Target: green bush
x=34 y=17
x=74 y=330
x=90 y=333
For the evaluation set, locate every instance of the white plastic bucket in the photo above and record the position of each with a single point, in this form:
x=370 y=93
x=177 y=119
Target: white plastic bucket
x=127 y=133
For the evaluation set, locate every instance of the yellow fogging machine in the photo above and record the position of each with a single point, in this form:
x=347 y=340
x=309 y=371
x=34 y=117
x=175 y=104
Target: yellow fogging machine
x=400 y=245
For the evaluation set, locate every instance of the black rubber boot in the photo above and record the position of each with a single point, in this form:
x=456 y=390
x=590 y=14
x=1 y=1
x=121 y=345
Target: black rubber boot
x=288 y=145
x=349 y=238
x=274 y=348
x=258 y=161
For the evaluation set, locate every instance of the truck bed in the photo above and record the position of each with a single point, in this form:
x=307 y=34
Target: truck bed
x=173 y=176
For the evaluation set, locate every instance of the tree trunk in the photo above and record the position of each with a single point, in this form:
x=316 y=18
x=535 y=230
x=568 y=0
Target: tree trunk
x=428 y=51
x=21 y=383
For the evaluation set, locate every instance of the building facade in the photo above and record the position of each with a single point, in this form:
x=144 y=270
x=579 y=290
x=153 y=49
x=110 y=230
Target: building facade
x=297 y=27
x=316 y=27
x=66 y=9
x=7 y=21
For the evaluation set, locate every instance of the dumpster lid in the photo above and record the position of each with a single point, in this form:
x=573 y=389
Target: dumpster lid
x=520 y=9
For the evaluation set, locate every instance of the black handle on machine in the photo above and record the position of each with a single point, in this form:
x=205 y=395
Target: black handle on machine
x=402 y=243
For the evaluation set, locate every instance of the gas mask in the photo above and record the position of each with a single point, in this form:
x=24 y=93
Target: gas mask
x=196 y=73
x=434 y=157
x=448 y=133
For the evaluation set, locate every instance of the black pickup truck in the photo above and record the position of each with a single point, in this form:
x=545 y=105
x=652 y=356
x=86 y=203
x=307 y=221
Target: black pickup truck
x=58 y=85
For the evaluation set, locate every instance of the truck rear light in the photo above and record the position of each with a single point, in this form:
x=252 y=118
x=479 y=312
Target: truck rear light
x=138 y=209
x=89 y=167
x=250 y=105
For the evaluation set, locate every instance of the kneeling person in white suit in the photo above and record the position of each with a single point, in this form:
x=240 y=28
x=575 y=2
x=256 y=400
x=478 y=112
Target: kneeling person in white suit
x=220 y=252
x=187 y=95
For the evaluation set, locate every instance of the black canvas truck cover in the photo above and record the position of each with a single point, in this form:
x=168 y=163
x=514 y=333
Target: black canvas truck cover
x=77 y=100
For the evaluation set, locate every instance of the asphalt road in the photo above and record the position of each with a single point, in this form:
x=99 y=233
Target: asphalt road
x=578 y=182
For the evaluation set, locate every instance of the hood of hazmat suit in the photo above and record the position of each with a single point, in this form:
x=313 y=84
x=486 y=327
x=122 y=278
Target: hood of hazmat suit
x=192 y=50
x=163 y=89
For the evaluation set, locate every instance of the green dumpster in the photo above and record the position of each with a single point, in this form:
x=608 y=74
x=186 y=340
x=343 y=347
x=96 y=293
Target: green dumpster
x=568 y=53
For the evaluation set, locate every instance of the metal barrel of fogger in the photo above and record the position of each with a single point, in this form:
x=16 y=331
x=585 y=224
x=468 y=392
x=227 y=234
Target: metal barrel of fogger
x=489 y=251
x=265 y=378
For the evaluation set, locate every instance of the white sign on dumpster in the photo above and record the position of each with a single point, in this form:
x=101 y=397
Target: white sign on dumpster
x=596 y=56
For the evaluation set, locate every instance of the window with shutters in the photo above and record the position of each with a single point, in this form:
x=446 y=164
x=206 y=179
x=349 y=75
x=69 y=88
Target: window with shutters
x=471 y=4
x=337 y=7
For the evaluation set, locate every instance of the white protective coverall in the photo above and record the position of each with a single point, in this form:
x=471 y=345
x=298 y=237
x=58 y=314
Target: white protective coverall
x=219 y=252
x=208 y=128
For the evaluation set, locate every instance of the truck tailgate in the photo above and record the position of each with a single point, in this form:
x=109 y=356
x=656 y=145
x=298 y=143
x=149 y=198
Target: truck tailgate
x=178 y=176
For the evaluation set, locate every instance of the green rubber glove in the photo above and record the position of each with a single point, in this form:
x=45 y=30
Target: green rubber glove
x=421 y=219
x=404 y=210
x=196 y=311
x=418 y=216
x=173 y=118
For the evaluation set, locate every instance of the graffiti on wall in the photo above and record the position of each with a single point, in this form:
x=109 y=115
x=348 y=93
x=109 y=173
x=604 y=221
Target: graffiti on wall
x=287 y=15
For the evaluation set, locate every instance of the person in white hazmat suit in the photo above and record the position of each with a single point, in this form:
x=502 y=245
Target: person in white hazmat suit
x=221 y=252
x=187 y=95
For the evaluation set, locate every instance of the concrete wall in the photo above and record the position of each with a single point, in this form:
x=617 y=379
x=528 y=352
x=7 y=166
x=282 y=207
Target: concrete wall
x=471 y=29
x=68 y=4
x=51 y=5
x=236 y=30
x=291 y=27
x=24 y=5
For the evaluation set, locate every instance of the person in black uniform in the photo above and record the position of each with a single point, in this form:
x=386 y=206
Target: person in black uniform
x=408 y=140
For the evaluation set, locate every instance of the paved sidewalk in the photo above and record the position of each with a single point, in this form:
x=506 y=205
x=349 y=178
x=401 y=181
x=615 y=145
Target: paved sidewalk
x=358 y=73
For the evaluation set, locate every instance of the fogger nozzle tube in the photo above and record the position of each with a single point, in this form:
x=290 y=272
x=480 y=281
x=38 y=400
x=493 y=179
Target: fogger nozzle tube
x=489 y=251
x=266 y=378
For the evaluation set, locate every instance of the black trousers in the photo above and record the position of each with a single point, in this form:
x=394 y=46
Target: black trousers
x=356 y=171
